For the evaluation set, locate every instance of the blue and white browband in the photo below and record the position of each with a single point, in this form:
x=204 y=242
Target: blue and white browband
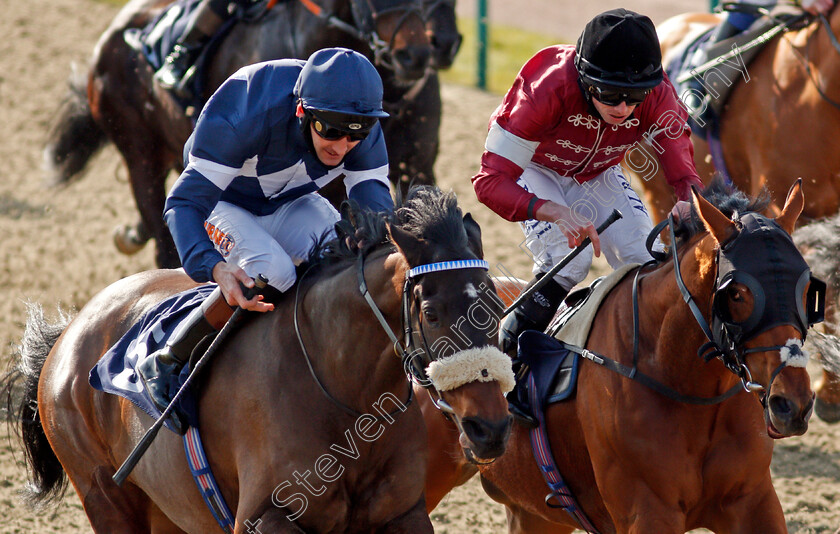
x=447 y=266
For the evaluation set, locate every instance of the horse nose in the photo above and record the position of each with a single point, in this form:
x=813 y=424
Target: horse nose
x=413 y=61
x=788 y=417
x=445 y=50
x=488 y=439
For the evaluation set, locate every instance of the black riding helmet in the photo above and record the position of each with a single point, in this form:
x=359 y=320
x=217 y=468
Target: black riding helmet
x=618 y=53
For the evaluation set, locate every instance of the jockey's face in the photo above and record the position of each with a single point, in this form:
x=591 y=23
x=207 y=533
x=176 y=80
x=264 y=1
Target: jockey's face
x=613 y=114
x=331 y=152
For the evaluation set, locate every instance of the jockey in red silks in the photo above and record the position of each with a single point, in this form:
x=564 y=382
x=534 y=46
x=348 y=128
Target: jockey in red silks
x=552 y=154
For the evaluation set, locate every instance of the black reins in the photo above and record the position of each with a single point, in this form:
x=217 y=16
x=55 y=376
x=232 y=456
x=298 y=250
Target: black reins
x=733 y=357
x=364 y=25
x=363 y=288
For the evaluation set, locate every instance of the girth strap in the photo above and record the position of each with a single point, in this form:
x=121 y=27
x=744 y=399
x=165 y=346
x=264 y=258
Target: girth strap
x=560 y=492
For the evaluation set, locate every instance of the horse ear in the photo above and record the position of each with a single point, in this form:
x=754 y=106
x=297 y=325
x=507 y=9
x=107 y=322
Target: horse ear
x=409 y=245
x=794 y=204
x=715 y=221
x=473 y=236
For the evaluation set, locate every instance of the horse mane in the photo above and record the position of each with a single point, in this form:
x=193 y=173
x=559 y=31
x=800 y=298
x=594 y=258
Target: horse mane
x=728 y=199
x=426 y=212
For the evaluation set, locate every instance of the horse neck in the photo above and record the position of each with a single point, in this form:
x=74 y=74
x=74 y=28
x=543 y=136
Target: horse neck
x=816 y=44
x=350 y=349
x=672 y=331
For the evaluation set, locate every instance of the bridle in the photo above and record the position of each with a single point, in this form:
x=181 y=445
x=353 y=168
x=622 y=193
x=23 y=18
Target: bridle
x=726 y=337
x=365 y=14
x=407 y=351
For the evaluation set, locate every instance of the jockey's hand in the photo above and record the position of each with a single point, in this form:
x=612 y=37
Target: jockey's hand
x=681 y=211
x=574 y=231
x=815 y=7
x=228 y=276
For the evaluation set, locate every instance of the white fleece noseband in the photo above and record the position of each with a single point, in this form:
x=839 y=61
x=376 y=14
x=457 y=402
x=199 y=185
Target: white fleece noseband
x=484 y=364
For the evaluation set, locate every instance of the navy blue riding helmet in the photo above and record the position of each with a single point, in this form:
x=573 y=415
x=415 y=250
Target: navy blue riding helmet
x=618 y=57
x=341 y=94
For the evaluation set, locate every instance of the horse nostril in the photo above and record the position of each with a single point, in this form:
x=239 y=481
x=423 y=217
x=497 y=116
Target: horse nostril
x=482 y=431
x=781 y=407
x=412 y=59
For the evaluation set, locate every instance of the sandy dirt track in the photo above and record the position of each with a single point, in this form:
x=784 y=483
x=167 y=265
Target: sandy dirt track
x=58 y=247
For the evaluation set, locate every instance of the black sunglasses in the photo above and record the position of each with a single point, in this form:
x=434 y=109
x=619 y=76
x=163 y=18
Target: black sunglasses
x=616 y=95
x=331 y=133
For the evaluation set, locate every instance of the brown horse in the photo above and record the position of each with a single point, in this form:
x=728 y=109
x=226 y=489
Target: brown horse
x=781 y=124
x=638 y=461
x=118 y=101
x=268 y=420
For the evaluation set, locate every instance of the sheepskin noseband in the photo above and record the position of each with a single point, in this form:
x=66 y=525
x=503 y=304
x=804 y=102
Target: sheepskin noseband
x=484 y=364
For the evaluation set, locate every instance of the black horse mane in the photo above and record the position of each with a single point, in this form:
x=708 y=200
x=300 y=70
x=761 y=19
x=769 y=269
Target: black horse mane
x=426 y=213
x=728 y=199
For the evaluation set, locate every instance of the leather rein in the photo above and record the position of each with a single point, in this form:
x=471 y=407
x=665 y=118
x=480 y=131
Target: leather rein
x=733 y=357
x=407 y=351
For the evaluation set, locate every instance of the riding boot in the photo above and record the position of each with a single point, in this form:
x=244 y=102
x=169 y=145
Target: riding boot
x=158 y=371
x=533 y=314
x=723 y=31
x=177 y=70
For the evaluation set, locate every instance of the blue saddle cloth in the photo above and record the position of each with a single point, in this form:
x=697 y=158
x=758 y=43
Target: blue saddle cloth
x=553 y=364
x=682 y=63
x=115 y=372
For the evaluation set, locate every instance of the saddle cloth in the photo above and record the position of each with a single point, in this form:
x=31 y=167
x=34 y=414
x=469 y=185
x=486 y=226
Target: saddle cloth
x=715 y=84
x=115 y=372
x=553 y=359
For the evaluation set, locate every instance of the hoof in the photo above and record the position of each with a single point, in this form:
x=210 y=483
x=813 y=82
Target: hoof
x=127 y=241
x=828 y=412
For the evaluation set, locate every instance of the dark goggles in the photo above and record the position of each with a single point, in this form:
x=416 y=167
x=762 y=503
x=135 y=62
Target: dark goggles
x=333 y=126
x=613 y=96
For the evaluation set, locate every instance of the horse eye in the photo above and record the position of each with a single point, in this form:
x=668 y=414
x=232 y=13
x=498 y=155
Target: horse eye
x=735 y=295
x=431 y=315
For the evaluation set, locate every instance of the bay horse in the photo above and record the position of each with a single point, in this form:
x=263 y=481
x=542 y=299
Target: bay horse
x=267 y=418
x=781 y=124
x=118 y=100
x=638 y=461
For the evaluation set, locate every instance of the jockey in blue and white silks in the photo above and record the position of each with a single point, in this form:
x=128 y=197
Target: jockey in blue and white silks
x=246 y=204
x=249 y=150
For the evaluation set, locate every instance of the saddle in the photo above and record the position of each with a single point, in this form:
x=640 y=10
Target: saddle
x=704 y=75
x=552 y=359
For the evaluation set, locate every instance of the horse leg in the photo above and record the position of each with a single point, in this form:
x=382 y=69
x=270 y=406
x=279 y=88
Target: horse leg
x=522 y=522
x=827 y=388
x=414 y=521
x=827 y=405
x=147 y=174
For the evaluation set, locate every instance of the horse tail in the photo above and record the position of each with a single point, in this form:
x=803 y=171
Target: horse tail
x=47 y=478
x=74 y=136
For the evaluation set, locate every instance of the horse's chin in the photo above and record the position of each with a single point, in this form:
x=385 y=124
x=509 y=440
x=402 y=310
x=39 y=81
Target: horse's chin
x=470 y=454
x=774 y=433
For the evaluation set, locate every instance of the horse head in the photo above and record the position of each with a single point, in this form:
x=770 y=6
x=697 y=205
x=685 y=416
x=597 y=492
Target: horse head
x=442 y=27
x=396 y=33
x=763 y=300
x=451 y=319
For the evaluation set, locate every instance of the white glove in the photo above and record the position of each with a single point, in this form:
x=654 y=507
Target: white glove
x=817 y=6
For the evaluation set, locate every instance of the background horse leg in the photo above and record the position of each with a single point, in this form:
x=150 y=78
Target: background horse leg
x=147 y=171
x=827 y=405
x=412 y=133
